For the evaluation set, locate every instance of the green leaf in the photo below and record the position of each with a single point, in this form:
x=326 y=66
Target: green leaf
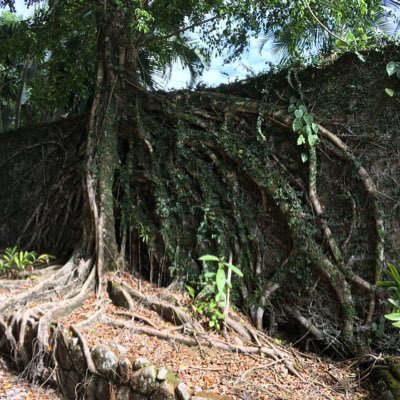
x=209 y=257
x=391 y=68
x=308 y=130
x=312 y=139
x=298 y=113
x=191 y=291
x=389 y=92
x=394 y=302
x=314 y=127
x=393 y=316
x=304 y=157
x=220 y=297
x=209 y=274
x=384 y=284
x=300 y=140
x=396 y=324
x=303 y=108
x=291 y=108
x=350 y=37
x=234 y=269
x=297 y=124
x=220 y=280
x=308 y=118
x=293 y=100
x=394 y=274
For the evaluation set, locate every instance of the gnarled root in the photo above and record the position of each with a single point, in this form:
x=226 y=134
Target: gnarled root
x=27 y=330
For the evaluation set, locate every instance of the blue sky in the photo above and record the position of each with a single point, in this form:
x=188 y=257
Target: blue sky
x=217 y=72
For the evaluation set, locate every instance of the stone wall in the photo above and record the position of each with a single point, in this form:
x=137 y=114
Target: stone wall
x=116 y=377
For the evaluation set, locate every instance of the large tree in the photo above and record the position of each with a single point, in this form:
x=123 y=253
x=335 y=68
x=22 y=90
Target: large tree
x=132 y=37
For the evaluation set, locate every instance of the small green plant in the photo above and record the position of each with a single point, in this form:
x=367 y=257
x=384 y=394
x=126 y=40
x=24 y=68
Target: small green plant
x=303 y=124
x=392 y=284
x=14 y=261
x=392 y=68
x=212 y=300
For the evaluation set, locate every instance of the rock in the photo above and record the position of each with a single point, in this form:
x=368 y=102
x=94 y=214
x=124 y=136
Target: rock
x=104 y=360
x=77 y=357
x=138 y=396
x=124 y=370
x=140 y=363
x=183 y=392
x=70 y=383
x=145 y=380
x=105 y=391
x=119 y=350
x=162 y=374
x=91 y=388
x=123 y=393
x=166 y=391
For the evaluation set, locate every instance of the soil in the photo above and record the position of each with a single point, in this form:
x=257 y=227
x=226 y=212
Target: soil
x=240 y=376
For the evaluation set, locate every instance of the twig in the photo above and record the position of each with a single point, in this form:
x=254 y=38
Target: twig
x=324 y=27
x=245 y=373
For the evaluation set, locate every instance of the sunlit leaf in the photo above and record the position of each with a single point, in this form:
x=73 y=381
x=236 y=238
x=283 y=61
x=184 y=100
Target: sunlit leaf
x=234 y=269
x=389 y=92
x=220 y=280
x=393 y=316
x=208 y=257
x=301 y=140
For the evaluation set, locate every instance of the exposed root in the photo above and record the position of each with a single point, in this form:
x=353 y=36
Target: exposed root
x=95 y=316
x=85 y=349
x=169 y=312
x=203 y=341
x=139 y=318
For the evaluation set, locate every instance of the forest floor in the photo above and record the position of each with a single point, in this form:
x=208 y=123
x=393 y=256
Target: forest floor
x=234 y=374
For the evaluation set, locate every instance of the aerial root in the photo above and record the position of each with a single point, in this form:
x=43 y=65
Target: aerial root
x=26 y=334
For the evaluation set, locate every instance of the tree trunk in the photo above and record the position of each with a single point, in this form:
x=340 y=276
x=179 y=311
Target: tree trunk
x=18 y=103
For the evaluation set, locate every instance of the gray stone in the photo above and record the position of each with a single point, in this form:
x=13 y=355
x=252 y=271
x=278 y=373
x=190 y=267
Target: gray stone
x=166 y=391
x=123 y=393
x=140 y=363
x=162 y=374
x=124 y=370
x=183 y=391
x=145 y=380
x=104 y=360
x=138 y=396
x=119 y=350
x=105 y=390
x=91 y=388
